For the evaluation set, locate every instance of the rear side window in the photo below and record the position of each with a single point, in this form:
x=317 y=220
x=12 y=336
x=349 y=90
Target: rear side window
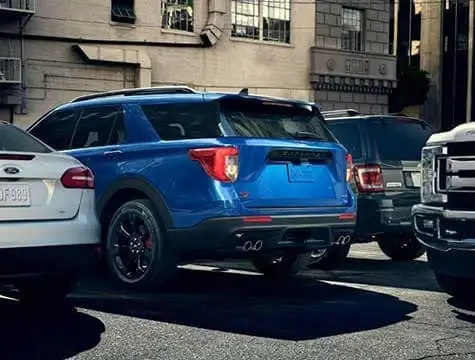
x=251 y=118
x=15 y=139
x=99 y=127
x=56 y=129
x=184 y=121
x=398 y=139
x=349 y=135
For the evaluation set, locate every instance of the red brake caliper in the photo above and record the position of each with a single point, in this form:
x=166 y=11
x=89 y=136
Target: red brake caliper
x=148 y=243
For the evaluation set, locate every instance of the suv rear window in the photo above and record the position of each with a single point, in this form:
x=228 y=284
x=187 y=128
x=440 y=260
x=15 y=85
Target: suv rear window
x=398 y=138
x=349 y=135
x=17 y=140
x=177 y=121
x=251 y=118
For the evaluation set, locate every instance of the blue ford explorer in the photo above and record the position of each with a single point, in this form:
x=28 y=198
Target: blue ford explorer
x=184 y=175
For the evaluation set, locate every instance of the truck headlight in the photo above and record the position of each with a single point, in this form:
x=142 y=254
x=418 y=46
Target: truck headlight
x=429 y=174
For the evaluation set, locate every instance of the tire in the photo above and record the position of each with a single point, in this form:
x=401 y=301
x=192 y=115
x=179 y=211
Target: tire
x=45 y=290
x=459 y=288
x=283 y=265
x=161 y=265
x=330 y=258
x=401 y=248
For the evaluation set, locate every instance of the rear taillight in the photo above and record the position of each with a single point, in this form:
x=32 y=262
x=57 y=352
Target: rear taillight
x=349 y=167
x=369 y=178
x=221 y=163
x=78 y=178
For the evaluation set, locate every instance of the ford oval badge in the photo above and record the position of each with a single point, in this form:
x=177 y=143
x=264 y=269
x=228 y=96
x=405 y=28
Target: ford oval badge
x=11 y=170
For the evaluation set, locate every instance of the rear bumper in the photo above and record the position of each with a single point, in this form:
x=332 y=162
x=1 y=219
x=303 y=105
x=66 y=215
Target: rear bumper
x=30 y=262
x=379 y=215
x=83 y=229
x=30 y=248
x=228 y=235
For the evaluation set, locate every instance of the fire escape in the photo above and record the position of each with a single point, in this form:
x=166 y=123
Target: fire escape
x=14 y=14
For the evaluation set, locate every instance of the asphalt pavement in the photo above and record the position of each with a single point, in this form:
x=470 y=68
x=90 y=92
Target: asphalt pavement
x=370 y=309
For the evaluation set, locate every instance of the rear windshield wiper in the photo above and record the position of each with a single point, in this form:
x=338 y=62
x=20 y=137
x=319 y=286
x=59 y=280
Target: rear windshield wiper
x=306 y=135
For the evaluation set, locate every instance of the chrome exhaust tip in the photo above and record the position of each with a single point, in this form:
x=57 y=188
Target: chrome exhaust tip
x=258 y=245
x=343 y=240
x=247 y=246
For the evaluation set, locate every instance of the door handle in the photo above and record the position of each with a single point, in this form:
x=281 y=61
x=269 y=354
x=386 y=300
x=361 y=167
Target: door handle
x=114 y=154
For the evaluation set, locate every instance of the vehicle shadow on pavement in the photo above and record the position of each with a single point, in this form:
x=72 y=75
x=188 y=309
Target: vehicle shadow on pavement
x=251 y=305
x=414 y=274
x=42 y=333
x=464 y=310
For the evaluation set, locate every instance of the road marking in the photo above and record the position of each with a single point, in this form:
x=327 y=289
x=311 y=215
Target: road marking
x=218 y=269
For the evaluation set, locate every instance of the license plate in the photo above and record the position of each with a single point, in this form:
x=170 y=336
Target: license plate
x=300 y=173
x=416 y=179
x=12 y=195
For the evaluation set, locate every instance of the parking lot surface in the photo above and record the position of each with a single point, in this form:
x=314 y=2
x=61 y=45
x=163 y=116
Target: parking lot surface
x=370 y=309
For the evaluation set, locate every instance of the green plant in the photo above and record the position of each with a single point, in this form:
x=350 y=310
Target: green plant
x=412 y=87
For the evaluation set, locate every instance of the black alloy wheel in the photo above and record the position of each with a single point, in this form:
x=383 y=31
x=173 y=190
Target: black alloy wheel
x=135 y=250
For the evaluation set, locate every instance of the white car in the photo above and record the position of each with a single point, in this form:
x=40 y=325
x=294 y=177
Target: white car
x=49 y=230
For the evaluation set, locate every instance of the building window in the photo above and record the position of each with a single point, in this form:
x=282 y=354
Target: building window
x=352 y=29
x=177 y=15
x=123 y=11
x=266 y=20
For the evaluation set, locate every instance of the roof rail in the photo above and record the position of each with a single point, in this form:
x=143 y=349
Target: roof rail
x=157 y=90
x=342 y=112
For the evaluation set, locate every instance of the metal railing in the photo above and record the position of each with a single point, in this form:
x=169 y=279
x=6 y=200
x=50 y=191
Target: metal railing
x=20 y=5
x=10 y=70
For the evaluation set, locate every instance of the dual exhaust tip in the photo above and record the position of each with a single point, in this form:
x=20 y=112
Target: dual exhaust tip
x=252 y=246
x=343 y=240
x=257 y=245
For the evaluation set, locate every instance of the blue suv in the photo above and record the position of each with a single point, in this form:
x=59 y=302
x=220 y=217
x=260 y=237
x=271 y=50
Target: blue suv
x=183 y=175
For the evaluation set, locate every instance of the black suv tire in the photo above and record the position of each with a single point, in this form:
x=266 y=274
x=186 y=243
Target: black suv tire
x=284 y=265
x=459 y=288
x=161 y=266
x=331 y=258
x=401 y=247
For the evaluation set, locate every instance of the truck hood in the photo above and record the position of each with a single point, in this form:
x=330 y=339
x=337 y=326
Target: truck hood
x=464 y=132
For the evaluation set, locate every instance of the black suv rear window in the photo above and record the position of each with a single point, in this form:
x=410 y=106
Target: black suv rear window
x=398 y=138
x=349 y=135
x=274 y=120
x=16 y=140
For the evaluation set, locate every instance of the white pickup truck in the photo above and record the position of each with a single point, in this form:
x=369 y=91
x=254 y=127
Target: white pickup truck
x=445 y=220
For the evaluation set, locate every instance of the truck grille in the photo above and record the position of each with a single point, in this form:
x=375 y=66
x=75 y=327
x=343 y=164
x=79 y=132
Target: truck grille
x=456 y=175
x=465 y=148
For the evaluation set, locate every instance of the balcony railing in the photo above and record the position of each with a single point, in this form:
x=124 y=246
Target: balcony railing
x=26 y=6
x=10 y=70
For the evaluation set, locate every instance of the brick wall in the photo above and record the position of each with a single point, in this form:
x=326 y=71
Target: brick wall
x=364 y=103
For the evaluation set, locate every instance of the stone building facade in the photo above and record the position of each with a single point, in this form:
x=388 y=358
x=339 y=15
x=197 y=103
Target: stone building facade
x=351 y=64
x=52 y=51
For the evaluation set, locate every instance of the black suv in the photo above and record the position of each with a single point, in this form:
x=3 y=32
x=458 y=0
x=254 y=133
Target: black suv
x=386 y=151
